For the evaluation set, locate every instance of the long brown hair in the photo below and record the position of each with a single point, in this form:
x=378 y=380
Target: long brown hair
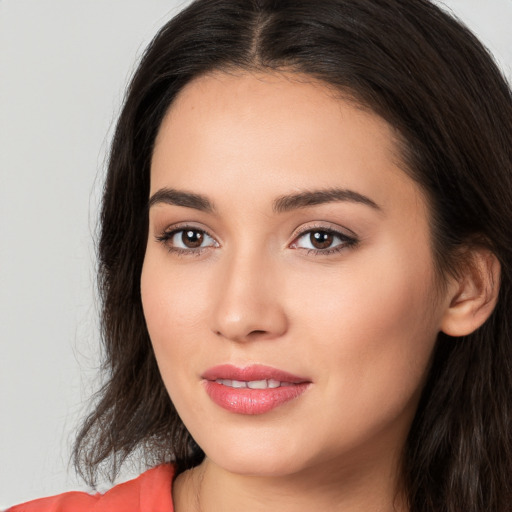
x=430 y=78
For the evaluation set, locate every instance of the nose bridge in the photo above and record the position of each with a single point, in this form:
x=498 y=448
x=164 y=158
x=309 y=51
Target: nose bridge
x=248 y=304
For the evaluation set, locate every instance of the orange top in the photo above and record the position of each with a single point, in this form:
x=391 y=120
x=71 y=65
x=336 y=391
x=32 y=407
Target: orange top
x=150 y=492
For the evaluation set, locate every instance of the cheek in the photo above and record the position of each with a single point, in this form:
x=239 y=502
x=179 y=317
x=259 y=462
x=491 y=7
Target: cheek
x=374 y=325
x=172 y=303
x=174 y=295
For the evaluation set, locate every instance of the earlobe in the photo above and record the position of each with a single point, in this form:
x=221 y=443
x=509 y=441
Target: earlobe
x=474 y=294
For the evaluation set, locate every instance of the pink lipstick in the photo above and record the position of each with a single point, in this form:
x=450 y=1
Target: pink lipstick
x=254 y=389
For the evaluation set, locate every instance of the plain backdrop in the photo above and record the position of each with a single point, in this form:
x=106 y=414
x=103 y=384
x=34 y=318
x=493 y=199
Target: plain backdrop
x=64 y=65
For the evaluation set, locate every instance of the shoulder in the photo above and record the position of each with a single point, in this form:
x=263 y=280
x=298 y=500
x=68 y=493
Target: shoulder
x=149 y=492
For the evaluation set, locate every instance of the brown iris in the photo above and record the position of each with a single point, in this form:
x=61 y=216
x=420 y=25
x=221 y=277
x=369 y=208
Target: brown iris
x=192 y=239
x=321 y=239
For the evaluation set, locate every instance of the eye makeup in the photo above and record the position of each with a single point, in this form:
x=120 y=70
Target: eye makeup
x=318 y=239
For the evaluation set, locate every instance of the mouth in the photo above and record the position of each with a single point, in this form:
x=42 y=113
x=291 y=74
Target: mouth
x=254 y=389
x=253 y=384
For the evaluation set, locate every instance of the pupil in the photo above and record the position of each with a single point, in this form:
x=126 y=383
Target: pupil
x=192 y=239
x=321 y=239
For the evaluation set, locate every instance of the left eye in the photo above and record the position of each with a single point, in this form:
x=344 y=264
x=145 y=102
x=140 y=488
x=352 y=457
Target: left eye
x=189 y=239
x=322 y=240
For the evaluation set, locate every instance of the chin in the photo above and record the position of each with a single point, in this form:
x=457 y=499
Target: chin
x=256 y=454
x=266 y=465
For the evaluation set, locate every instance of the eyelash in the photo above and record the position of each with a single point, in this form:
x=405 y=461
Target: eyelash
x=345 y=241
x=167 y=236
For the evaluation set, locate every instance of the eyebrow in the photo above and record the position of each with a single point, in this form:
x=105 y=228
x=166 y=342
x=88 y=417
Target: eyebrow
x=281 y=204
x=181 y=198
x=316 y=197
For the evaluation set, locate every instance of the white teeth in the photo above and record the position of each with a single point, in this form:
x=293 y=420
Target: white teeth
x=253 y=384
x=257 y=384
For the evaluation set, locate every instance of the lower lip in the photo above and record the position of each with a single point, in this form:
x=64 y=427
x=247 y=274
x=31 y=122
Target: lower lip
x=253 y=401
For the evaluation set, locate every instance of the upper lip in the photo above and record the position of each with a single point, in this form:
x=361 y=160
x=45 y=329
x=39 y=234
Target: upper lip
x=251 y=373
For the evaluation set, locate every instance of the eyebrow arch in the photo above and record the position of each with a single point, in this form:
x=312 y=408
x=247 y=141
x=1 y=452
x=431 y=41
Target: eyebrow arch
x=315 y=197
x=181 y=198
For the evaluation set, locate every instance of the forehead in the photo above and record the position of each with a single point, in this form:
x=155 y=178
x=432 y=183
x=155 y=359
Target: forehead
x=269 y=99
x=230 y=133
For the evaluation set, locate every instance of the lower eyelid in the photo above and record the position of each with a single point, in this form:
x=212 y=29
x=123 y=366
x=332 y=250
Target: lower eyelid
x=345 y=240
x=165 y=237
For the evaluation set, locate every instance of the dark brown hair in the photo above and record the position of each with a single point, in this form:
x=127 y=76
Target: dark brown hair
x=431 y=79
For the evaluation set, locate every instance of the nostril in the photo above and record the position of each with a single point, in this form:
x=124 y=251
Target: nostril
x=256 y=333
x=249 y=320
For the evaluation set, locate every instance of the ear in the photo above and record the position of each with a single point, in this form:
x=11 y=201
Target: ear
x=473 y=294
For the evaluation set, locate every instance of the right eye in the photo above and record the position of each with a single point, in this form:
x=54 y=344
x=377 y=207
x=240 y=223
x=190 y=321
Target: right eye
x=187 y=240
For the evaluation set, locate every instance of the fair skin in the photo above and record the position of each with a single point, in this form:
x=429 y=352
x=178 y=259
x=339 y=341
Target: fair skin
x=342 y=292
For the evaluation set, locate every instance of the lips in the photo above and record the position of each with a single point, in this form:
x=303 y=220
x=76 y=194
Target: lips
x=254 y=389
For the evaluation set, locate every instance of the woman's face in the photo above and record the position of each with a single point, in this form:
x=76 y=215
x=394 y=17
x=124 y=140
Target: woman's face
x=288 y=284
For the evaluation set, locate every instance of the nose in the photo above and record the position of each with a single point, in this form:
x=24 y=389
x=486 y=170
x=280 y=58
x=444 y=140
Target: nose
x=248 y=304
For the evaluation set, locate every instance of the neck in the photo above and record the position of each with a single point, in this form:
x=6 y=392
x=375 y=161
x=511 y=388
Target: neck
x=333 y=487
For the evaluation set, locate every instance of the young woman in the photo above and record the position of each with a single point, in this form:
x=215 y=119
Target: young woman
x=305 y=266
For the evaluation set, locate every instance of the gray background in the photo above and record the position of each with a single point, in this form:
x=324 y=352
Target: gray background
x=64 y=65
